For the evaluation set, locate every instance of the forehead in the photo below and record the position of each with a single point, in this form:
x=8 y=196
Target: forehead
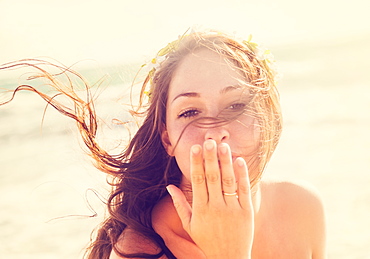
x=204 y=70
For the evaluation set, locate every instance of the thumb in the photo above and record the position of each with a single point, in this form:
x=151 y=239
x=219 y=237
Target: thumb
x=182 y=206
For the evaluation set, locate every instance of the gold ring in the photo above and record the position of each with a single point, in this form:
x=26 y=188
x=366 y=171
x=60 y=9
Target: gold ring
x=230 y=194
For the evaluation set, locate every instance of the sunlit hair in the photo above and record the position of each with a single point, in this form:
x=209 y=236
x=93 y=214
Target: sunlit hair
x=140 y=173
x=260 y=82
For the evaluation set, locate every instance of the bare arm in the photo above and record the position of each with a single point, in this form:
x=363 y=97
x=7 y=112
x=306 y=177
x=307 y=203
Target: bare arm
x=319 y=231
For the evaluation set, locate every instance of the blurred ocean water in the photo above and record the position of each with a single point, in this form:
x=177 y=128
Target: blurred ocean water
x=45 y=176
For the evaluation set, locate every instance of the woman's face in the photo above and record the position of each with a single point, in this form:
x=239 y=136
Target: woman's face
x=204 y=85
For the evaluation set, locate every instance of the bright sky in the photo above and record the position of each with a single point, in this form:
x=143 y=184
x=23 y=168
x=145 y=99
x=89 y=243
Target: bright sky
x=118 y=30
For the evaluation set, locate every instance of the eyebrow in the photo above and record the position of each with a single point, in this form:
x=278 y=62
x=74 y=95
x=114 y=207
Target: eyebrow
x=229 y=88
x=195 y=94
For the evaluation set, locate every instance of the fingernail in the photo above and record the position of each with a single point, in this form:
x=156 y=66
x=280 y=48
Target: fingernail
x=223 y=149
x=169 y=189
x=209 y=145
x=240 y=161
x=195 y=149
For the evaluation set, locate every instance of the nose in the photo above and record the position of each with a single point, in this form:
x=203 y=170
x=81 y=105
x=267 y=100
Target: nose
x=218 y=133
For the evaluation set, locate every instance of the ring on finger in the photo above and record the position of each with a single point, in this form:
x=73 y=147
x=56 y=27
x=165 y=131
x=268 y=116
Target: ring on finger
x=230 y=194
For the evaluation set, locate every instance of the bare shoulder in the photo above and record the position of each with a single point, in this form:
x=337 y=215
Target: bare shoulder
x=297 y=199
x=132 y=242
x=293 y=191
x=301 y=205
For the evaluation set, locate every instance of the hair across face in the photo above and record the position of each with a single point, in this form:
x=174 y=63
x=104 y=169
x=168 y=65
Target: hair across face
x=249 y=76
x=207 y=100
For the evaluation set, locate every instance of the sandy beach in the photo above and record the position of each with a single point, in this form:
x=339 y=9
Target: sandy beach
x=325 y=94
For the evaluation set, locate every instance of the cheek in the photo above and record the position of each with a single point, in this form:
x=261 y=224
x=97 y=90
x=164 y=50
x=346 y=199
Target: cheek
x=182 y=140
x=245 y=132
x=183 y=137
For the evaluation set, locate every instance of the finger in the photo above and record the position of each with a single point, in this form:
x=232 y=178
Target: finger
x=244 y=194
x=199 y=186
x=181 y=205
x=212 y=171
x=227 y=173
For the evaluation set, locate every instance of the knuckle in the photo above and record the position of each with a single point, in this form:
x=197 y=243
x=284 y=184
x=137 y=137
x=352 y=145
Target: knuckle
x=226 y=160
x=228 y=181
x=197 y=161
x=197 y=178
x=209 y=159
x=212 y=178
x=243 y=189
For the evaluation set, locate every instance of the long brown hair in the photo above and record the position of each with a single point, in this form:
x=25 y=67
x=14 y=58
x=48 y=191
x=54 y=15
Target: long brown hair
x=140 y=173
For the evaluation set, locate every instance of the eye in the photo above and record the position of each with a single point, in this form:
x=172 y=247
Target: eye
x=237 y=106
x=188 y=113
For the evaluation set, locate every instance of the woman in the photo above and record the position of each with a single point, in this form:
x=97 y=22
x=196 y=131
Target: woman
x=212 y=122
